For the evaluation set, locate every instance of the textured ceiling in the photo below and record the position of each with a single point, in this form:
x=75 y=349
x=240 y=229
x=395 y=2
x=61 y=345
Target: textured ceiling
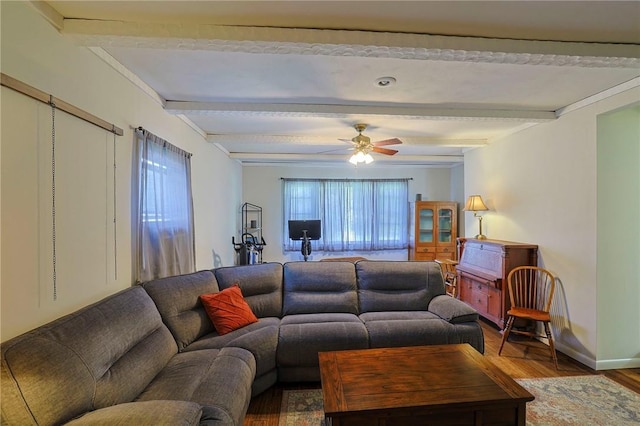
x=282 y=82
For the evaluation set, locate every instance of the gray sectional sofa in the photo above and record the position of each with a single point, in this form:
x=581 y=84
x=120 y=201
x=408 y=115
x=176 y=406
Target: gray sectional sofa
x=149 y=355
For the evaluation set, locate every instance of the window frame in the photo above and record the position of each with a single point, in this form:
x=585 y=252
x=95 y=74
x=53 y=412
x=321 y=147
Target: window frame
x=354 y=213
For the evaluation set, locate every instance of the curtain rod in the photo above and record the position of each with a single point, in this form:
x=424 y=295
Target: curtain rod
x=143 y=131
x=347 y=179
x=46 y=98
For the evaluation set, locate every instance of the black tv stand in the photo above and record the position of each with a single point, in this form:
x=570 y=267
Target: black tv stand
x=306 y=231
x=306 y=245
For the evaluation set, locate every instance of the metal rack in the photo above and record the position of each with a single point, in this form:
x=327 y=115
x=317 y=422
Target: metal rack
x=249 y=249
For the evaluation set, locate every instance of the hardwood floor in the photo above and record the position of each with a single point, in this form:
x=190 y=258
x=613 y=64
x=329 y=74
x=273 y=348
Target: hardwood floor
x=521 y=358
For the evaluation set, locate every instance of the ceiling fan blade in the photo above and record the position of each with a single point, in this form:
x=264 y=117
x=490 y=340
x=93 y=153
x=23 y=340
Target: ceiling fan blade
x=384 y=151
x=394 y=141
x=336 y=150
x=346 y=140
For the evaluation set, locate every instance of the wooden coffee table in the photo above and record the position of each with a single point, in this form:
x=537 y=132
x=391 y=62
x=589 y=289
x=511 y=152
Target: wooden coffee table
x=419 y=385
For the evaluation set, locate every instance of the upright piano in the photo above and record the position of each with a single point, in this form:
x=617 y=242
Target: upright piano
x=482 y=274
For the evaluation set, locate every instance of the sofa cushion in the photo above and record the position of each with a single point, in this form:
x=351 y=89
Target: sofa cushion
x=303 y=336
x=407 y=328
x=147 y=413
x=319 y=287
x=219 y=380
x=227 y=310
x=261 y=339
x=101 y=355
x=261 y=286
x=397 y=285
x=369 y=317
x=178 y=303
x=215 y=341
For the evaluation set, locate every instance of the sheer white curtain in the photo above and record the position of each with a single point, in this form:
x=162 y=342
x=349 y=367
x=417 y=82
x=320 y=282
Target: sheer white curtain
x=163 y=209
x=363 y=215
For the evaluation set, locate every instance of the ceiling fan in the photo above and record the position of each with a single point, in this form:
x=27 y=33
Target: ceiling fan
x=363 y=146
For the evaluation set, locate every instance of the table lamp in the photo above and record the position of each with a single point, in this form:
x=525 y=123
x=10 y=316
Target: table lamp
x=475 y=205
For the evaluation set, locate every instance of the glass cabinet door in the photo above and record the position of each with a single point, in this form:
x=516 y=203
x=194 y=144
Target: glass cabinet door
x=425 y=225
x=433 y=231
x=445 y=220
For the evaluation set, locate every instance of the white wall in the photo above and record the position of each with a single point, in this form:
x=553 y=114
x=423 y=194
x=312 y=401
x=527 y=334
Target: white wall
x=35 y=53
x=540 y=186
x=618 y=237
x=263 y=186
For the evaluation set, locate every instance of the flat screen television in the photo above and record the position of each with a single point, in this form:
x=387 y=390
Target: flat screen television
x=311 y=226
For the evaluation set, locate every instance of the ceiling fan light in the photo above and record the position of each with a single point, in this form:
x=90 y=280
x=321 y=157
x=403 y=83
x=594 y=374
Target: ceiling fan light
x=368 y=159
x=360 y=157
x=354 y=160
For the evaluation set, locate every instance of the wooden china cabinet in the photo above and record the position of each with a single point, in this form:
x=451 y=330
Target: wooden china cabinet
x=434 y=231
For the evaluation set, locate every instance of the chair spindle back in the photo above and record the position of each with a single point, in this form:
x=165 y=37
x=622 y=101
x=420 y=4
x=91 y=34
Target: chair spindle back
x=531 y=287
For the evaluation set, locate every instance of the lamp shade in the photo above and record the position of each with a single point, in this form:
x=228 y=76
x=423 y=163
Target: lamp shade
x=475 y=204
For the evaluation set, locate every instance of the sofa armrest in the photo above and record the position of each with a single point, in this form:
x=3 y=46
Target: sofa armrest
x=144 y=413
x=452 y=310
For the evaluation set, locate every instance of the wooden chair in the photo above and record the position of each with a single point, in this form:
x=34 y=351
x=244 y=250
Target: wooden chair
x=448 y=268
x=531 y=292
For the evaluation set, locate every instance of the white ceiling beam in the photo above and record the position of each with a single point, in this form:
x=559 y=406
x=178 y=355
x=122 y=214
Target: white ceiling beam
x=270 y=40
x=342 y=158
x=346 y=111
x=329 y=140
x=48 y=13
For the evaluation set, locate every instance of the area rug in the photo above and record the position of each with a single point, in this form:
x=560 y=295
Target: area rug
x=581 y=400
x=561 y=401
x=301 y=408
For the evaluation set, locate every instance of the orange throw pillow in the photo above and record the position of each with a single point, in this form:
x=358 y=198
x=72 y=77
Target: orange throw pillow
x=228 y=310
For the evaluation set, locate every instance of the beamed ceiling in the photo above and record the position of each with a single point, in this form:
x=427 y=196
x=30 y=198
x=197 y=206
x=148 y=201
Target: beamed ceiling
x=283 y=82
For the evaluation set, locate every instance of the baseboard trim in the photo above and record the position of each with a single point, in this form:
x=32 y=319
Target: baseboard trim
x=616 y=364
x=578 y=356
x=605 y=364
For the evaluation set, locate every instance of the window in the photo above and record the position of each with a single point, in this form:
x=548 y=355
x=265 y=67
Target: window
x=364 y=215
x=163 y=209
